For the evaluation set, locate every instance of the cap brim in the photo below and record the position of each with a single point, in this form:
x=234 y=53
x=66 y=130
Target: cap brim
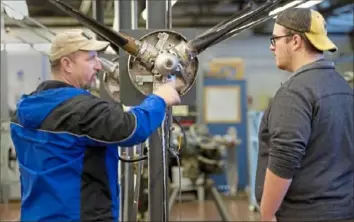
x=95 y=46
x=321 y=42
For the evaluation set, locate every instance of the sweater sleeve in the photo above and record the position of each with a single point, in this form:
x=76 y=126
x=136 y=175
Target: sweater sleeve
x=290 y=130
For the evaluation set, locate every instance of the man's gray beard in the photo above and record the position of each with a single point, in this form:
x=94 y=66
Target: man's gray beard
x=86 y=87
x=93 y=85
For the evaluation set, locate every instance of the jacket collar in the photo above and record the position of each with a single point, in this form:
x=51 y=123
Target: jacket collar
x=52 y=84
x=318 y=64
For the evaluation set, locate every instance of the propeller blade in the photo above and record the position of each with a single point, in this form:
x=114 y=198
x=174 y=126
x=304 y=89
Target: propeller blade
x=254 y=23
x=117 y=40
x=199 y=44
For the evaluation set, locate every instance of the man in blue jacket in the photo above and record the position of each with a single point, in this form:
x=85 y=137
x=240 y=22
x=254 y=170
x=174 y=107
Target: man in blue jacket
x=66 y=139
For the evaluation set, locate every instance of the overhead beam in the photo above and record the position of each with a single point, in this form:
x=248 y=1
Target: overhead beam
x=182 y=17
x=185 y=21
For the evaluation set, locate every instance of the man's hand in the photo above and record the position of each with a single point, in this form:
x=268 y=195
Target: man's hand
x=179 y=84
x=272 y=219
x=168 y=93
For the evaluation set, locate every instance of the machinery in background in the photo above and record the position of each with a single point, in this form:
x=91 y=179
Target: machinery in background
x=202 y=155
x=349 y=77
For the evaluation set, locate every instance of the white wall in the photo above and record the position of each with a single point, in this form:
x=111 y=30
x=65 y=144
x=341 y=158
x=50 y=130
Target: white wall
x=33 y=66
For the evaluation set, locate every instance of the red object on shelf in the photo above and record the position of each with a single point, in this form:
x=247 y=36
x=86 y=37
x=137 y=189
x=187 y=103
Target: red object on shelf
x=187 y=122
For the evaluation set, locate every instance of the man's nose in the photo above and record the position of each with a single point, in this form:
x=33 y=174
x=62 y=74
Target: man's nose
x=98 y=65
x=271 y=47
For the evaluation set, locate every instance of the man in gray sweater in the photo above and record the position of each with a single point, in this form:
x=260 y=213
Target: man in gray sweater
x=305 y=166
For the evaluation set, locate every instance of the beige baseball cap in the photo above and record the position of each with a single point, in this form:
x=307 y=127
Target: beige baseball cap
x=74 y=40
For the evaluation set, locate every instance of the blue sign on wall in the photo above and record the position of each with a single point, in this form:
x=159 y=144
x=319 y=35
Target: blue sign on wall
x=241 y=126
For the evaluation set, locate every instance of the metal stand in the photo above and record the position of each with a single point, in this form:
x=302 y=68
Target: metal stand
x=127 y=19
x=159 y=141
x=217 y=200
x=158 y=18
x=158 y=174
x=129 y=191
x=210 y=188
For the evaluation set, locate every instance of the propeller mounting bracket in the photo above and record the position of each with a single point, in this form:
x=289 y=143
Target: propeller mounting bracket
x=165 y=44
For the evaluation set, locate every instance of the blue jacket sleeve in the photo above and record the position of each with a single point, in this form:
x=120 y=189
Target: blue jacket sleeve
x=148 y=118
x=97 y=122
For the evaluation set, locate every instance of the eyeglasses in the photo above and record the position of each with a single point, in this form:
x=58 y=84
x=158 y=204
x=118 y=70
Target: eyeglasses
x=273 y=38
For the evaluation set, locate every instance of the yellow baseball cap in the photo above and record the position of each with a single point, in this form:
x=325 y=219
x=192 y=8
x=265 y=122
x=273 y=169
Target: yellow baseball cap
x=74 y=40
x=309 y=22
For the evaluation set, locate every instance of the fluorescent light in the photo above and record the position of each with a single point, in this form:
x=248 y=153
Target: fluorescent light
x=309 y=4
x=144 y=13
x=289 y=5
x=306 y=4
x=42 y=47
x=17 y=47
x=17 y=9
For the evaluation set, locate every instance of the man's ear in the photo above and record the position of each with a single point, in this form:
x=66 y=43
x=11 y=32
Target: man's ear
x=66 y=64
x=297 y=41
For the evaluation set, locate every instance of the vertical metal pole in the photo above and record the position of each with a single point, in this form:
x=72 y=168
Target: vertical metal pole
x=139 y=171
x=121 y=165
x=167 y=126
x=128 y=187
x=199 y=84
x=132 y=213
x=155 y=178
x=166 y=139
x=168 y=23
x=128 y=20
x=156 y=14
x=98 y=12
x=134 y=14
x=158 y=17
x=123 y=22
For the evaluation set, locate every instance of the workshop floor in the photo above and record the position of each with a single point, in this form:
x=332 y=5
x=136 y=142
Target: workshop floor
x=9 y=212
x=207 y=211
x=190 y=211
